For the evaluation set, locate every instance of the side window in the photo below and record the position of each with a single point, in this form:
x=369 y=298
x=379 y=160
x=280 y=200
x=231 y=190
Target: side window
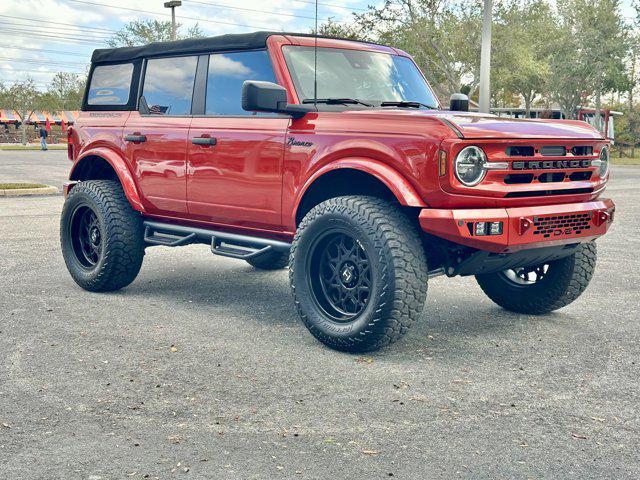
x=168 y=85
x=227 y=73
x=110 y=85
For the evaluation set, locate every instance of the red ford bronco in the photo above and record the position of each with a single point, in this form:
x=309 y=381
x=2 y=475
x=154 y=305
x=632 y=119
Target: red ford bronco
x=335 y=158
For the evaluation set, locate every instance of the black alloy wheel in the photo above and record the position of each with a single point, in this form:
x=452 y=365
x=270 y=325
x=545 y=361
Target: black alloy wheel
x=340 y=275
x=86 y=236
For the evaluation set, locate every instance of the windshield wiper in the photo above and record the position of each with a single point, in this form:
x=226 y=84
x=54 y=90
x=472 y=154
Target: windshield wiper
x=337 y=101
x=407 y=104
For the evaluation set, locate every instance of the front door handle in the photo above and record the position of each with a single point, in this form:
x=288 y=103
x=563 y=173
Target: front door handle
x=136 y=138
x=207 y=141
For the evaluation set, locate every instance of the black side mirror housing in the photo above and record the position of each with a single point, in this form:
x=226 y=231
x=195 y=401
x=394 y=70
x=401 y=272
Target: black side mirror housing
x=270 y=97
x=459 y=103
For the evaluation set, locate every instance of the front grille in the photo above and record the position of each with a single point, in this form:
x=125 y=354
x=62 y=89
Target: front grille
x=544 y=193
x=573 y=224
x=553 y=151
x=520 y=151
x=551 y=177
x=514 y=178
x=577 y=176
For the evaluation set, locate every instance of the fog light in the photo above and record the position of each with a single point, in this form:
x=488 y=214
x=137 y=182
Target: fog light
x=487 y=228
x=481 y=228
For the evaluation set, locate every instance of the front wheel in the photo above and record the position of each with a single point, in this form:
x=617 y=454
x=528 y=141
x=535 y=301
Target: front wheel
x=540 y=289
x=358 y=273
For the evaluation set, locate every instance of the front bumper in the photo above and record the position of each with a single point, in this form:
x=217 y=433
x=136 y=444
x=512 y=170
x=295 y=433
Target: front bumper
x=523 y=227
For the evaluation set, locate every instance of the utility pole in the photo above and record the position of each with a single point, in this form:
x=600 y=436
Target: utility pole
x=172 y=5
x=485 y=57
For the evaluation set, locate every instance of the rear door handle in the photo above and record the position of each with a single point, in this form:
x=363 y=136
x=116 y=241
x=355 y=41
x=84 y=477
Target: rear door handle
x=208 y=141
x=136 y=138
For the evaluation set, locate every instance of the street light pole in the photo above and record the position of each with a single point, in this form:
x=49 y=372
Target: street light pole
x=172 y=5
x=485 y=57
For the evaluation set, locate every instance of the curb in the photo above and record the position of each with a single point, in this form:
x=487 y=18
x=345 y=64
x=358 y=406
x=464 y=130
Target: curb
x=25 y=192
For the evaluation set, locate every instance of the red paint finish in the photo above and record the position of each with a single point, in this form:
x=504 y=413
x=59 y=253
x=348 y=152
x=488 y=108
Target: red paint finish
x=255 y=177
x=159 y=164
x=567 y=223
x=239 y=180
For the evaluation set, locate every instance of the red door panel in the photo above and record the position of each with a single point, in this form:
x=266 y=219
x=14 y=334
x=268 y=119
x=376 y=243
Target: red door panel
x=237 y=181
x=160 y=162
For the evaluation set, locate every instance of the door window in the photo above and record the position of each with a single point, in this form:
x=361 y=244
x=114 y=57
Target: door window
x=168 y=85
x=227 y=73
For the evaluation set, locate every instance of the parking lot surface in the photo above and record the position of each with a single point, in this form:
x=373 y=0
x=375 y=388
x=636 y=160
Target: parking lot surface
x=201 y=369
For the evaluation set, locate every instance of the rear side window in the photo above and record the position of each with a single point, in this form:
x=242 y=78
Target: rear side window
x=227 y=73
x=110 y=85
x=168 y=85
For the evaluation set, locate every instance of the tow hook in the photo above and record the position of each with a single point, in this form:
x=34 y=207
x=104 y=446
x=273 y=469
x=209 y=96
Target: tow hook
x=601 y=217
x=524 y=224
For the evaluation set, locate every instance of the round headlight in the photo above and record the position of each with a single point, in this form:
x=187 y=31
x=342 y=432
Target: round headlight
x=604 y=161
x=470 y=166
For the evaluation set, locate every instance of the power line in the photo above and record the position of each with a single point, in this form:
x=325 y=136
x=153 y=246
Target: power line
x=42 y=62
x=228 y=7
x=38 y=71
x=168 y=15
x=310 y=2
x=37 y=20
x=46 y=28
x=59 y=52
x=60 y=38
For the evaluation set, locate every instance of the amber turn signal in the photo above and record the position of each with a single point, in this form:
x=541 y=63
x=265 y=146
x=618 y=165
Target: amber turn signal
x=442 y=162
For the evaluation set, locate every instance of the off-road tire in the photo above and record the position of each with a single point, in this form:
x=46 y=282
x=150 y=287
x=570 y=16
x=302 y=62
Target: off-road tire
x=273 y=260
x=398 y=273
x=122 y=237
x=564 y=281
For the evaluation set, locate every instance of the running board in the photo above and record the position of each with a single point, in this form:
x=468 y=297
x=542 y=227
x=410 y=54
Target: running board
x=225 y=244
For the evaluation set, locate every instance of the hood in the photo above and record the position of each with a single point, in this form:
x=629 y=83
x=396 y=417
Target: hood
x=471 y=125
x=474 y=125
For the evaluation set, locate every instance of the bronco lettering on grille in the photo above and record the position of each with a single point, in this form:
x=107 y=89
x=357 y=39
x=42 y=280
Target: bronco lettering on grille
x=550 y=164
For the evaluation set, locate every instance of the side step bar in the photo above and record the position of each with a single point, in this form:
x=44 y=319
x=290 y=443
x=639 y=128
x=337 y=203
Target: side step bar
x=225 y=244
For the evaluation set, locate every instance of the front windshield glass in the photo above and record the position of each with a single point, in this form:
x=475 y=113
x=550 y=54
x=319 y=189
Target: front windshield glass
x=371 y=77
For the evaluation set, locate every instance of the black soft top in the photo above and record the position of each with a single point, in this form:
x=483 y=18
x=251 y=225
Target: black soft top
x=232 y=41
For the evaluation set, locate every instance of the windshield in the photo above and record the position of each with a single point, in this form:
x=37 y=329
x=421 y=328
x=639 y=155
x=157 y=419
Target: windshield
x=356 y=74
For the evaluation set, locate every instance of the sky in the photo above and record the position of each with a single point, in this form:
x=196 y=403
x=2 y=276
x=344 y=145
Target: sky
x=41 y=37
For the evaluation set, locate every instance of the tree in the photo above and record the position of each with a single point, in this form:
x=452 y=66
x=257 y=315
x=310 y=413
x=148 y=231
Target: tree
x=521 y=63
x=24 y=98
x=588 y=53
x=141 y=32
x=66 y=91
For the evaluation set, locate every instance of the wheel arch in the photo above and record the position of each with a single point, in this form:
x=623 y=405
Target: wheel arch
x=355 y=176
x=104 y=164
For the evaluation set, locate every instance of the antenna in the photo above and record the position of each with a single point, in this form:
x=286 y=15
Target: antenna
x=315 y=63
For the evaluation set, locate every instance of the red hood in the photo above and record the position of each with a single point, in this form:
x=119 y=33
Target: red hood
x=474 y=125
x=479 y=125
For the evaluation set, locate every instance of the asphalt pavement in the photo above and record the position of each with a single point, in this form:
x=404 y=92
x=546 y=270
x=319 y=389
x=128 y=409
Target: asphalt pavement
x=201 y=369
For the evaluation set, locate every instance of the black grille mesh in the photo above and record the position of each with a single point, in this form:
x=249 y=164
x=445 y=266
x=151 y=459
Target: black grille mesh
x=572 y=224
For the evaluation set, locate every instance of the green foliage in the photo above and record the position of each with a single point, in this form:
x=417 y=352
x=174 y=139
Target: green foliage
x=24 y=97
x=521 y=49
x=567 y=52
x=141 y=32
x=66 y=91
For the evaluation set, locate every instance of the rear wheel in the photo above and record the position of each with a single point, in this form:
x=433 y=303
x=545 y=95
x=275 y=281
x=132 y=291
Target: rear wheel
x=358 y=273
x=101 y=236
x=540 y=289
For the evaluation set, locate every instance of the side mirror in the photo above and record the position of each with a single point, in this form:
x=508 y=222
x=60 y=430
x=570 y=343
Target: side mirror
x=459 y=103
x=269 y=97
